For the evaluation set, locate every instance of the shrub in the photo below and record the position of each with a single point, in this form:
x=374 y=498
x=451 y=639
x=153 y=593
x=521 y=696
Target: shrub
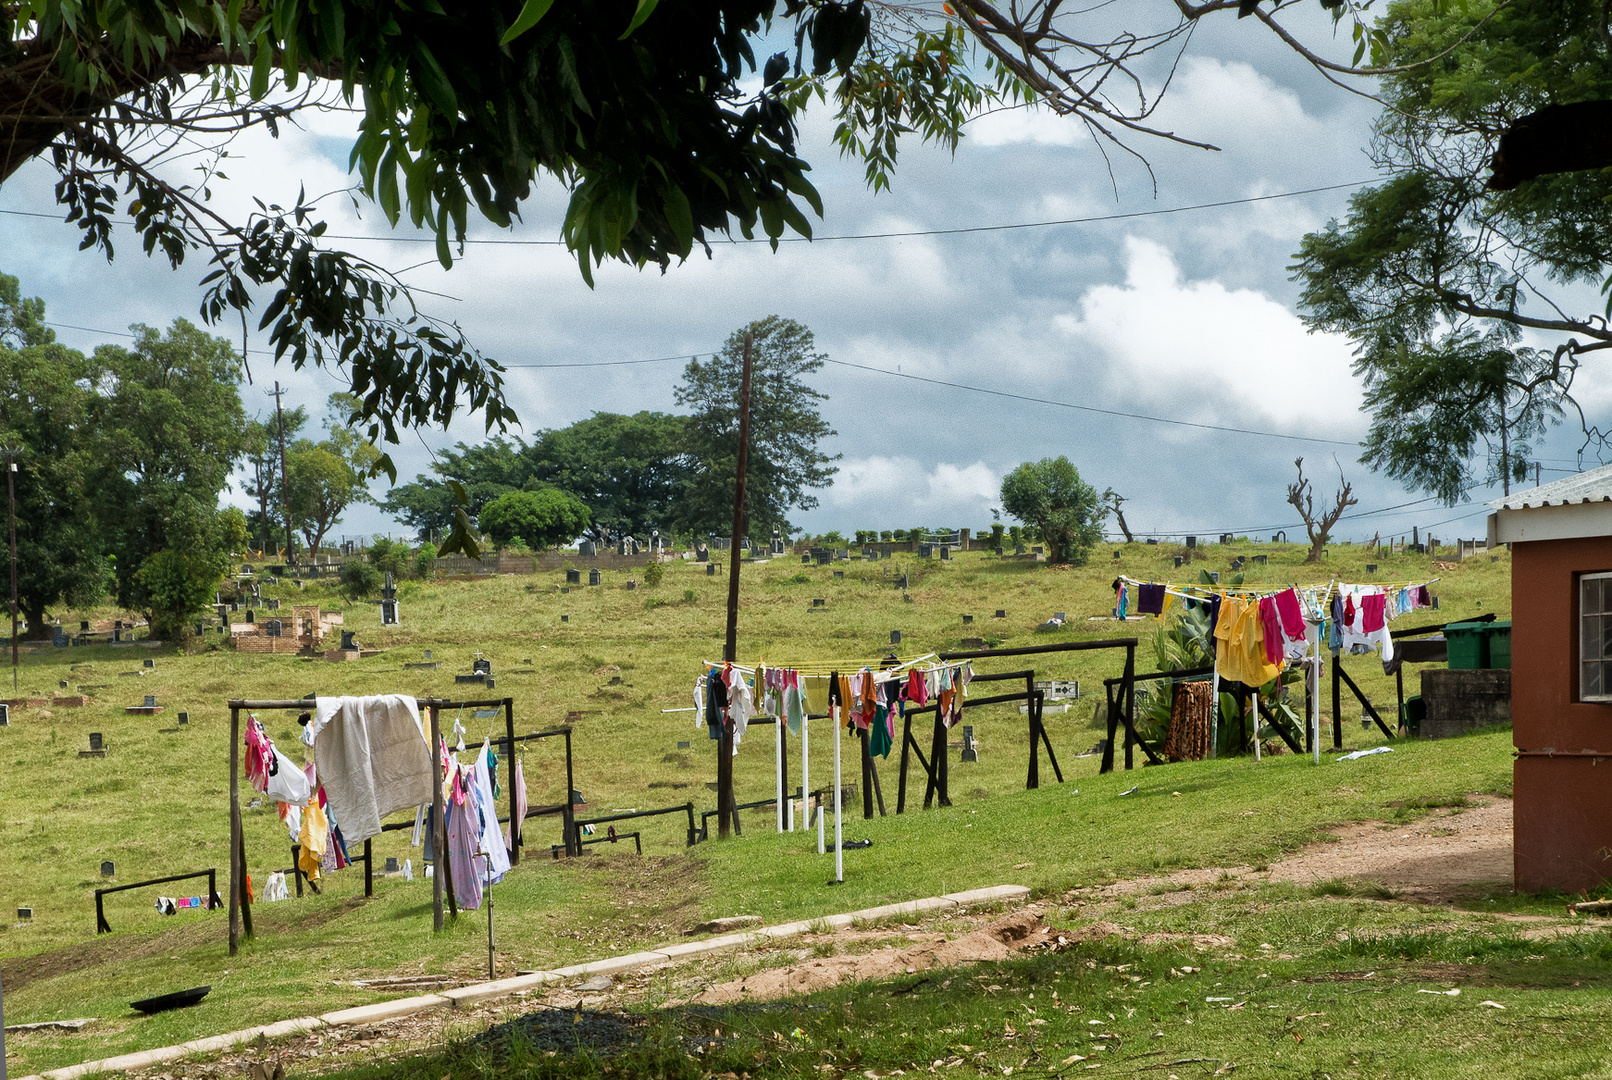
x=654 y=573
x=358 y=579
x=423 y=559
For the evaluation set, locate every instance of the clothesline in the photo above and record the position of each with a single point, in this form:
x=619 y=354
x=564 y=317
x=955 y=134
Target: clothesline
x=825 y=667
x=1269 y=588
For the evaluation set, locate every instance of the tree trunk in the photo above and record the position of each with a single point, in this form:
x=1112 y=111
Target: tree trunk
x=35 y=614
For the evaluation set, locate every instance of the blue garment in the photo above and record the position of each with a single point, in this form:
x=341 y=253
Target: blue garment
x=716 y=703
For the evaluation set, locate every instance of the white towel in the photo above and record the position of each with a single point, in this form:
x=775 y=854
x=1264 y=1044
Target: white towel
x=374 y=760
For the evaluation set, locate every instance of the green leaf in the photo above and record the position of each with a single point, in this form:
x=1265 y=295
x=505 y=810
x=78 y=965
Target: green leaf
x=262 y=65
x=680 y=217
x=530 y=16
x=646 y=8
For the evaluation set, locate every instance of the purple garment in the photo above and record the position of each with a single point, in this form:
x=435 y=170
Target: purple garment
x=464 y=867
x=1150 y=599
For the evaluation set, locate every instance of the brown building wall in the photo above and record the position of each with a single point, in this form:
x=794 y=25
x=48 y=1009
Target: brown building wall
x=1562 y=803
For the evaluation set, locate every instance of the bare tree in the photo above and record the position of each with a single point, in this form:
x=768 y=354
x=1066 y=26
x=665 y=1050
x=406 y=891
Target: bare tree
x=1115 y=500
x=1302 y=499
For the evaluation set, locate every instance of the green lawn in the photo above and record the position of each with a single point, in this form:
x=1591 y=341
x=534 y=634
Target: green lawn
x=157 y=804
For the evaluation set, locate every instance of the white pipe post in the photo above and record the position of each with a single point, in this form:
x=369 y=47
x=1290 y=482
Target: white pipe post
x=1214 y=711
x=1315 y=703
x=839 y=834
x=778 y=763
x=806 y=769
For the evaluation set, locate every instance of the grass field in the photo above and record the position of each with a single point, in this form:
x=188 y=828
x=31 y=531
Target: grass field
x=157 y=803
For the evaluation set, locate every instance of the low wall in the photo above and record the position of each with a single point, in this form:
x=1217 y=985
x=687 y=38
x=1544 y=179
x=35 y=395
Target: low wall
x=1458 y=702
x=544 y=562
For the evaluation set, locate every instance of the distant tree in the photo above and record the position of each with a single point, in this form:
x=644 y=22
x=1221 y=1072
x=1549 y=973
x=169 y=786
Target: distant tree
x=266 y=524
x=388 y=556
x=1319 y=526
x=48 y=414
x=172 y=428
x=627 y=470
x=327 y=477
x=1115 y=501
x=485 y=472
x=359 y=579
x=785 y=464
x=538 y=519
x=1067 y=511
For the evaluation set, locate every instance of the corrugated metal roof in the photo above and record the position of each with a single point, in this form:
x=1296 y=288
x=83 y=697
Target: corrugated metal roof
x=1592 y=486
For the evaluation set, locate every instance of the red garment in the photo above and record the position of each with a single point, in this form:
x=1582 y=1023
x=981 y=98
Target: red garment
x=917 y=688
x=1287 y=606
x=1273 y=630
x=1371 y=613
x=1349 y=611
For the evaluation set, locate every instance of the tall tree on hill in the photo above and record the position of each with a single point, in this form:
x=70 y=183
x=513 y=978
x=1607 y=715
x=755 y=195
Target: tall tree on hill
x=172 y=429
x=485 y=472
x=262 y=440
x=785 y=463
x=324 y=478
x=1301 y=497
x=1050 y=495
x=48 y=412
x=627 y=470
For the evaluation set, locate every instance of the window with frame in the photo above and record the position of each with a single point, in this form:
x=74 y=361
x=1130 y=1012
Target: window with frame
x=1595 y=637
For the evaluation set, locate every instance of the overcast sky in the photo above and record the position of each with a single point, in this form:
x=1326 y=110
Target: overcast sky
x=1187 y=316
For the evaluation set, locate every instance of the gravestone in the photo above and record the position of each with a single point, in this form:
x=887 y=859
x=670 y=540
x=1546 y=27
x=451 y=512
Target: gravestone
x=1116 y=556
x=633 y=548
x=972 y=643
x=392 y=866
x=1152 y=542
x=200 y=629
x=272 y=628
x=59 y=638
x=702 y=553
x=108 y=869
x=945 y=553
x=970 y=751
x=1061 y=616
x=777 y=546
x=1001 y=613
x=148 y=662
x=5 y=715
x=389 y=613
x=1192 y=541
x=25 y=913
x=117 y=636
x=885 y=551
x=428 y=654
x=1178 y=561
x=1037 y=550
x=621 y=547
x=818 y=602
x=96 y=741
x=251 y=616
x=347 y=642
x=902 y=584
x=593 y=576
x=273 y=605
x=1018 y=549
x=895 y=637
x=83 y=626
x=565 y=618
x=1371 y=568
x=566 y=589
x=839 y=573
x=588 y=549
x=151 y=701
x=926 y=551
x=1214 y=575
x=184 y=718
x=807 y=559
x=997 y=552
x=1261 y=559
x=483 y=666
x=967 y=619
x=685 y=745
x=710 y=569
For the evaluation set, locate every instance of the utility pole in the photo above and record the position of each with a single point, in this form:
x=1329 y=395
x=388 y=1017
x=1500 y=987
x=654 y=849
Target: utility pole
x=730 y=650
x=11 y=498
x=285 y=490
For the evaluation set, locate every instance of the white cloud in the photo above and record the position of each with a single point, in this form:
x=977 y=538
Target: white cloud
x=1210 y=354
x=886 y=491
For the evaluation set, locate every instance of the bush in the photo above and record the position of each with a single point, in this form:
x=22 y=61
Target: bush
x=388 y=557
x=423 y=559
x=359 y=579
x=689 y=596
x=654 y=573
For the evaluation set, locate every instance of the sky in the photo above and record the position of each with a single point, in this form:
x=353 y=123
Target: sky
x=1159 y=349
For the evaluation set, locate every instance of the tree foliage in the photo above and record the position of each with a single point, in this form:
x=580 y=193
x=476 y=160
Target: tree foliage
x=785 y=465
x=538 y=519
x=1050 y=495
x=1466 y=305
x=627 y=470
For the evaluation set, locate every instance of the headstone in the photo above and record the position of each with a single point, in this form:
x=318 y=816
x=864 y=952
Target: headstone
x=970 y=752
x=1261 y=559
x=895 y=637
x=621 y=547
x=1152 y=541
x=945 y=553
x=272 y=628
x=347 y=642
x=1178 y=561
x=59 y=638
x=885 y=551
x=1001 y=613
x=587 y=549
x=96 y=742
x=83 y=626
x=1116 y=555
x=633 y=548
x=926 y=551
x=200 y=629
x=389 y=613
x=1061 y=616
x=818 y=602
x=565 y=618
x=150 y=663
x=710 y=569
x=25 y=913
x=1192 y=541
x=839 y=573
x=117 y=636
x=428 y=654
x=184 y=718
x=108 y=869
x=777 y=547
x=1037 y=550
x=392 y=866
x=702 y=553
x=483 y=666
x=1214 y=575
x=593 y=576
x=685 y=745
x=489 y=682
x=967 y=619
x=151 y=701
x=5 y=715
x=902 y=584
x=1371 y=568
x=807 y=559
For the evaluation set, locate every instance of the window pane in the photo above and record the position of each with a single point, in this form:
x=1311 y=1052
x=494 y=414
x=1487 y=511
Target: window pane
x=1590 y=596
x=1591 y=641
x=1593 y=680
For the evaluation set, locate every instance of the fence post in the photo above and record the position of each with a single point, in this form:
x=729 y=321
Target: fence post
x=439 y=835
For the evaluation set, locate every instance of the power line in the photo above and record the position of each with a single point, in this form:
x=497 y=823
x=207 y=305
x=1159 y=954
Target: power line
x=898 y=234
x=1093 y=408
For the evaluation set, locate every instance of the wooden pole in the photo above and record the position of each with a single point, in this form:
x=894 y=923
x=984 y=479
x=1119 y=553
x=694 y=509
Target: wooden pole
x=234 y=832
x=1337 y=701
x=730 y=650
x=439 y=835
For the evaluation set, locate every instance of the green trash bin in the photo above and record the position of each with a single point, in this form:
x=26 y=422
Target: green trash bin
x=1412 y=714
x=1499 y=640
x=1469 y=645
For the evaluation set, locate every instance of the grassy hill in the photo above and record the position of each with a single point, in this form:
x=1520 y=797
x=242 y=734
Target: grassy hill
x=157 y=803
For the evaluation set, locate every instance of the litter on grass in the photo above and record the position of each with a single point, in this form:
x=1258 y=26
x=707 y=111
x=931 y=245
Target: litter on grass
x=1366 y=753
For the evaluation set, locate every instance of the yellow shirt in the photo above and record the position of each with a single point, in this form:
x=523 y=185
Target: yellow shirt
x=1240 y=644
